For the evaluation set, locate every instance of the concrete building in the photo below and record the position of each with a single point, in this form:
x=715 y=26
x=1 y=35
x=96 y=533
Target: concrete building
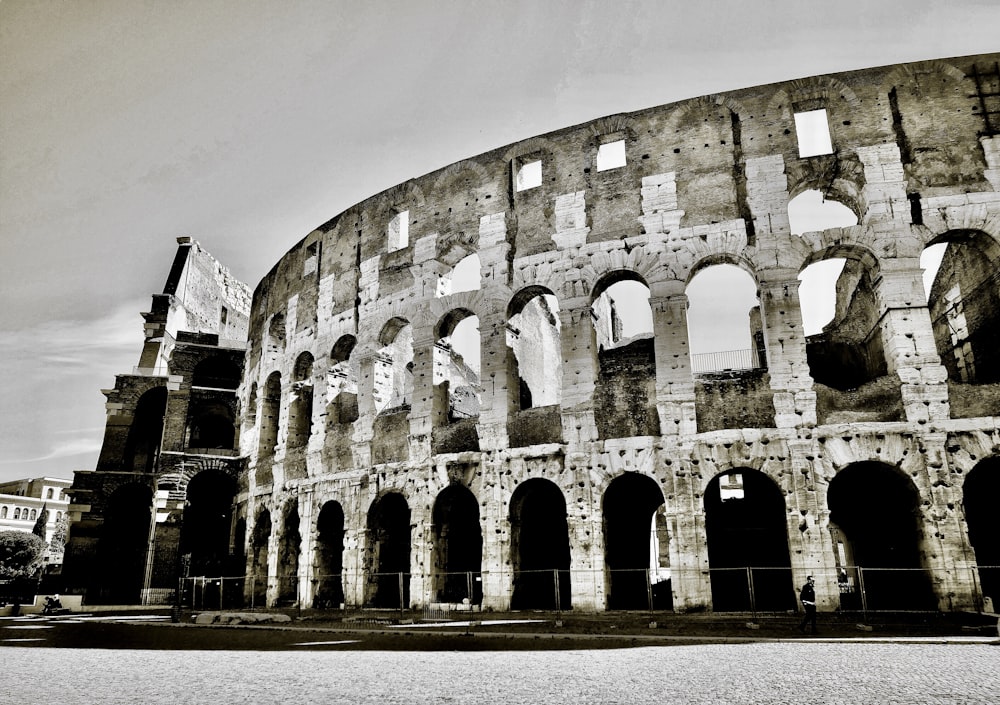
x=584 y=464
x=22 y=501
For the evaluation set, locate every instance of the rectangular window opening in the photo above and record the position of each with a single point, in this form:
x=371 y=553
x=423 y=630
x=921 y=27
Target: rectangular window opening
x=312 y=260
x=529 y=175
x=611 y=155
x=813 y=130
x=399 y=231
x=731 y=486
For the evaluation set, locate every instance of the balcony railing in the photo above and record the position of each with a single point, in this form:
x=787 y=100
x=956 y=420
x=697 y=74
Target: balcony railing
x=726 y=361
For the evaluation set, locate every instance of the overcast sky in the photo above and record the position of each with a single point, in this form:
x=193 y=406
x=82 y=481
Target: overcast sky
x=126 y=124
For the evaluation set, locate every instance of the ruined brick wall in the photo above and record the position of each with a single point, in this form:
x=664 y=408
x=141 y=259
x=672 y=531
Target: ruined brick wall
x=704 y=181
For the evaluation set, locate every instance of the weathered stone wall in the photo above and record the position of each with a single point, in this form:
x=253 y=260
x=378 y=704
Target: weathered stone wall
x=705 y=181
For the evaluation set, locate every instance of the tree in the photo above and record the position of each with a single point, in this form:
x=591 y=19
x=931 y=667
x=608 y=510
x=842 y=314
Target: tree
x=20 y=554
x=58 y=543
x=39 y=528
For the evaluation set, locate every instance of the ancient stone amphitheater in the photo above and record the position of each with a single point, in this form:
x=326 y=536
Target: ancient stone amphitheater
x=477 y=390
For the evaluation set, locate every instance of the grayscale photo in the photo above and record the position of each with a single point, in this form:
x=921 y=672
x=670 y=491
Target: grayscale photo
x=474 y=352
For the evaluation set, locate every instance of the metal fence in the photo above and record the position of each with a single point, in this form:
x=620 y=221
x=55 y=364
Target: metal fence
x=726 y=361
x=735 y=589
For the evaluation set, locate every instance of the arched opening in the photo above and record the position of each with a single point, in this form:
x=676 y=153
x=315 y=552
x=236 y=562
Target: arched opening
x=845 y=351
x=142 y=448
x=456 y=366
x=875 y=526
x=211 y=426
x=636 y=545
x=289 y=548
x=207 y=522
x=121 y=564
x=216 y=372
x=964 y=304
x=979 y=498
x=301 y=405
x=533 y=336
x=388 y=557
x=540 y=547
x=269 y=409
x=342 y=383
x=728 y=355
x=747 y=534
x=466 y=276
x=393 y=367
x=260 y=549
x=458 y=546
x=724 y=325
x=625 y=389
x=811 y=211
x=329 y=565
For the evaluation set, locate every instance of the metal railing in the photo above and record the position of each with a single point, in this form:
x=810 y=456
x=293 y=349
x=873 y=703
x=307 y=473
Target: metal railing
x=753 y=590
x=726 y=361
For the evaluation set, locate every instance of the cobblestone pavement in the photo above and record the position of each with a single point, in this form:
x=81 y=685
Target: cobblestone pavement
x=799 y=672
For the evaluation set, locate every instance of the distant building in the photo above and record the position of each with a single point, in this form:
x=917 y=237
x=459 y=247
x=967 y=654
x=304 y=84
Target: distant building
x=21 y=501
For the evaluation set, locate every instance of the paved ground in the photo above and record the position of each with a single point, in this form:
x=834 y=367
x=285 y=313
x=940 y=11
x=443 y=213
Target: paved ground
x=121 y=659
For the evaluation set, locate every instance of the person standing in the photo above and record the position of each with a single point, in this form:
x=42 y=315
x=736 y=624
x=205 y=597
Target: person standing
x=808 y=597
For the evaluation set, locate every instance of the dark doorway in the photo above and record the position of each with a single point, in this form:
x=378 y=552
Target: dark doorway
x=633 y=545
x=329 y=557
x=979 y=498
x=389 y=552
x=458 y=546
x=540 y=547
x=208 y=518
x=876 y=508
x=123 y=547
x=747 y=543
x=142 y=446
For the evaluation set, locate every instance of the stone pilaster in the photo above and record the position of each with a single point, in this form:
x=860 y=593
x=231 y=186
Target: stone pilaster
x=675 y=398
x=794 y=398
x=579 y=371
x=908 y=340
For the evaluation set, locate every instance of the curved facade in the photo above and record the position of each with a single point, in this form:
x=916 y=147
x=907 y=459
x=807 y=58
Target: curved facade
x=575 y=462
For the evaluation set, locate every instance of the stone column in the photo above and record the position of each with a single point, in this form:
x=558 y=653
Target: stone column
x=493 y=407
x=794 y=398
x=684 y=514
x=908 y=340
x=675 y=397
x=579 y=371
x=422 y=399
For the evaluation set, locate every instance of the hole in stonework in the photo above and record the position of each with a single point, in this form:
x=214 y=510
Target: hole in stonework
x=529 y=175
x=813 y=130
x=611 y=155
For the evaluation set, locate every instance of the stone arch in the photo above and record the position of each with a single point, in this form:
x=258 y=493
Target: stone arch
x=625 y=357
x=206 y=531
x=826 y=88
x=458 y=546
x=909 y=73
x=636 y=556
x=979 y=497
x=260 y=546
x=747 y=534
x=269 y=415
x=142 y=446
x=457 y=360
x=329 y=557
x=122 y=547
x=876 y=526
x=534 y=361
x=300 y=406
x=964 y=304
x=476 y=176
x=701 y=106
x=841 y=180
x=342 y=382
x=540 y=550
x=393 y=386
x=387 y=562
